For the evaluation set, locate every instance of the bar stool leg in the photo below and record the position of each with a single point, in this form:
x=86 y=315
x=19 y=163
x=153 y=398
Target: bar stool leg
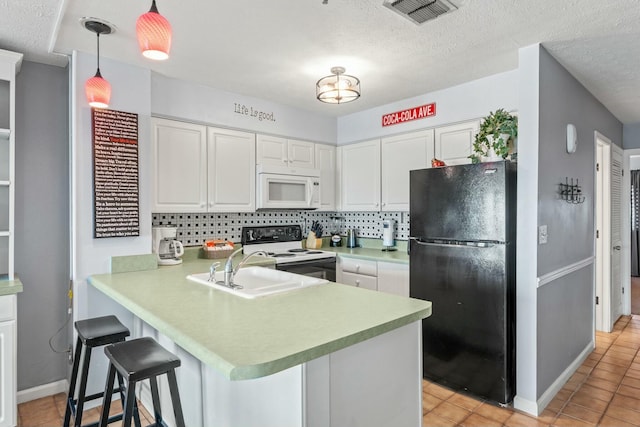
x=157 y=412
x=175 y=398
x=136 y=413
x=106 y=400
x=72 y=384
x=129 y=404
x=84 y=373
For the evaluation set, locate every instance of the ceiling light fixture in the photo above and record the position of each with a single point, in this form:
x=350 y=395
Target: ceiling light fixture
x=338 y=88
x=154 y=34
x=97 y=89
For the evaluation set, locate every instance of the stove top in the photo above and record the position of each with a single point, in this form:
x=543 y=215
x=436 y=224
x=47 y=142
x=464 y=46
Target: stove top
x=283 y=242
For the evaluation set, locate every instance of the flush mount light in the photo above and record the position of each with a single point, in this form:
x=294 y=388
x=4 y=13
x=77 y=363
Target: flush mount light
x=572 y=138
x=154 y=34
x=97 y=89
x=338 y=88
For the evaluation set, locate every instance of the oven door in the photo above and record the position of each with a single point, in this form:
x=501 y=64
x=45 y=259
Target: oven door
x=324 y=268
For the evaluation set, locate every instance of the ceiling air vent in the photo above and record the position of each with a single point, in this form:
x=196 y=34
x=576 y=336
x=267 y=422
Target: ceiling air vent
x=420 y=11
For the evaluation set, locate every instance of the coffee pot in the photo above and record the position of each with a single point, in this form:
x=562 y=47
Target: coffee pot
x=351 y=238
x=164 y=244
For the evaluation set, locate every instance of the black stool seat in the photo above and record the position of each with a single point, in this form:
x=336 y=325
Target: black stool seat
x=99 y=331
x=141 y=358
x=138 y=360
x=92 y=333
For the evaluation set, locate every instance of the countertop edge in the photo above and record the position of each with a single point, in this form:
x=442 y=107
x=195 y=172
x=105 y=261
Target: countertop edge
x=11 y=287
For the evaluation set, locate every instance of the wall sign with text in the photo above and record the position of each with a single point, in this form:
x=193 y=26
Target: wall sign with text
x=415 y=113
x=115 y=173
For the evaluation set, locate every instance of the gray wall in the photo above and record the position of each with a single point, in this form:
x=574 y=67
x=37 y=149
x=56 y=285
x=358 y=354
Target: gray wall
x=42 y=221
x=631 y=136
x=565 y=306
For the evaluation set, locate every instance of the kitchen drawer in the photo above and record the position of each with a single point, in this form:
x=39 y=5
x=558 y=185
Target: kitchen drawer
x=360 y=281
x=359 y=266
x=7 y=307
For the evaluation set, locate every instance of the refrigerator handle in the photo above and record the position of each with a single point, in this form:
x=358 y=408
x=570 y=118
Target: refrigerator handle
x=454 y=243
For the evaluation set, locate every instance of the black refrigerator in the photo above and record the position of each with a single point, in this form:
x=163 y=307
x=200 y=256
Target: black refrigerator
x=462 y=258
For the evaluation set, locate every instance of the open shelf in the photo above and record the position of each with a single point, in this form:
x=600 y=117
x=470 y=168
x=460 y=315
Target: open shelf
x=5 y=133
x=4 y=233
x=5 y=183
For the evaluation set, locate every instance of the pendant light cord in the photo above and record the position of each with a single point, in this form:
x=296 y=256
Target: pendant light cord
x=98 y=42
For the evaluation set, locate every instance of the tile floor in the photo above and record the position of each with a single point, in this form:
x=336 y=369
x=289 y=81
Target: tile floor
x=604 y=391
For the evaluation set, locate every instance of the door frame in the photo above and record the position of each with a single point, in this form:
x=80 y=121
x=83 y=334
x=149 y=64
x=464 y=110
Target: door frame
x=602 y=277
x=626 y=230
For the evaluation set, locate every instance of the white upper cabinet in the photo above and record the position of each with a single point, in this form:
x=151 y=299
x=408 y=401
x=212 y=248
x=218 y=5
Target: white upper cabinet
x=278 y=151
x=326 y=161
x=400 y=154
x=201 y=169
x=454 y=143
x=180 y=166
x=231 y=160
x=360 y=176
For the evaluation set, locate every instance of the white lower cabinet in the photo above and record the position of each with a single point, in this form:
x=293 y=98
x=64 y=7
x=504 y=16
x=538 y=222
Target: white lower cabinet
x=393 y=278
x=8 y=361
x=389 y=277
x=357 y=272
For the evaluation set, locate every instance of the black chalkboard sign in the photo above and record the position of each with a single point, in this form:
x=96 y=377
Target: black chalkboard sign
x=115 y=173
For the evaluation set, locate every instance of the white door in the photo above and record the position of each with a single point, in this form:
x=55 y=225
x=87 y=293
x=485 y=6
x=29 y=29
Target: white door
x=602 y=262
x=400 y=154
x=616 y=233
x=360 y=175
x=179 y=153
x=231 y=171
x=454 y=143
x=325 y=157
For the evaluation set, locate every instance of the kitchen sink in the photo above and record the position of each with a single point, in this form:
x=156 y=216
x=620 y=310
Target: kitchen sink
x=259 y=282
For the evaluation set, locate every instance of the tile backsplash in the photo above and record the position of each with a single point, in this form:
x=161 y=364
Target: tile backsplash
x=195 y=228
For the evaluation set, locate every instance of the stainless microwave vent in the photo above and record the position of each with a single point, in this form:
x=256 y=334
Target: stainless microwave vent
x=420 y=11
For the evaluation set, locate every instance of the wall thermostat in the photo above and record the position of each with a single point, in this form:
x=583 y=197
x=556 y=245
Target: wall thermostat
x=572 y=138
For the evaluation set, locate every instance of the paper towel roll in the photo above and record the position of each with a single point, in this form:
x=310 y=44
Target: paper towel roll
x=388 y=232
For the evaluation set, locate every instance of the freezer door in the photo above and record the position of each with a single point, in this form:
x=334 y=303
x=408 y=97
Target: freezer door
x=468 y=341
x=466 y=202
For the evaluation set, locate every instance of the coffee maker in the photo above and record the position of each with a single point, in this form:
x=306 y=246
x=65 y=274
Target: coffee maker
x=167 y=249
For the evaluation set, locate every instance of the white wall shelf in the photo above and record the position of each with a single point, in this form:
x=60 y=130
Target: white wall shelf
x=5 y=133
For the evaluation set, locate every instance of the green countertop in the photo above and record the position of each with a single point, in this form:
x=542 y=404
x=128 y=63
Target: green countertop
x=10 y=287
x=374 y=254
x=245 y=338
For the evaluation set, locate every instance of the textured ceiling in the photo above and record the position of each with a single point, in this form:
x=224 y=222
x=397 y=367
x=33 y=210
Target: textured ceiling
x=277 y=49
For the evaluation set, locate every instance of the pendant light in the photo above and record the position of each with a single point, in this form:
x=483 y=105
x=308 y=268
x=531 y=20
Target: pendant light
x=338 y=88
x=154 y=34
x=97 y=89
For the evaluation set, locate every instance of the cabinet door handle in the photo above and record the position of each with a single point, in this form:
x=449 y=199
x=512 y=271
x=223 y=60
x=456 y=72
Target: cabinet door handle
x=358 y=283
x=357 y=267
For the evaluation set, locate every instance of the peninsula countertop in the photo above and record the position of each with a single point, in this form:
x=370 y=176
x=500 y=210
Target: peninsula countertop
x=245 y=338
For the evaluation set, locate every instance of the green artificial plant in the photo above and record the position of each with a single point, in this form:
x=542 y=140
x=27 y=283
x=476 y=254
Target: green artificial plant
x=497 y=131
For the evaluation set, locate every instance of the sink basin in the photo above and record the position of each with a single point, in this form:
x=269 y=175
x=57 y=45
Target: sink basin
x=259 y=281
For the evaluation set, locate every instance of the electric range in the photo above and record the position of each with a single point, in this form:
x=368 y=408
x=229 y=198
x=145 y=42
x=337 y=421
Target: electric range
x=284 y=244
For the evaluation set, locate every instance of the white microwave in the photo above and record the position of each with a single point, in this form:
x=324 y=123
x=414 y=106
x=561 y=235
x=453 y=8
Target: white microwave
x=287 y=188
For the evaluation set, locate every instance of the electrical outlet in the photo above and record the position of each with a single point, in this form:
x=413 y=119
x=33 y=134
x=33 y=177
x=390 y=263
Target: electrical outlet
x=542 y=235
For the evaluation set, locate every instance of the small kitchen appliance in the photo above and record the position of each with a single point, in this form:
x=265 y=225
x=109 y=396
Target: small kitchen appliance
x=351 y=238
x=284 y=244
x=336 y=238
x=167 y=249
x=388 y=240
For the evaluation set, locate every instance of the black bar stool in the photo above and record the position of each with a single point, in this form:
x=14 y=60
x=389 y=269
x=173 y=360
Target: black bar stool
x=138 y=360
x=92 y=333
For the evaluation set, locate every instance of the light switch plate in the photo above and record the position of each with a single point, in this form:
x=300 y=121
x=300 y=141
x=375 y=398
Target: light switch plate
x=542 y=235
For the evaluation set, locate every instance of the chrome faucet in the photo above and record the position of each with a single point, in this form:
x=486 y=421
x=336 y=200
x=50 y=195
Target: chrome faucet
x=230 y=272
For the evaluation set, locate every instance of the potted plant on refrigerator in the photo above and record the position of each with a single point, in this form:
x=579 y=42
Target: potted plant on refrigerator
x=496 y=137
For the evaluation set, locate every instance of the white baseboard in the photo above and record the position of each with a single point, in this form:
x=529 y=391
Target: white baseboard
x=44 y=390
x=536 y=408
